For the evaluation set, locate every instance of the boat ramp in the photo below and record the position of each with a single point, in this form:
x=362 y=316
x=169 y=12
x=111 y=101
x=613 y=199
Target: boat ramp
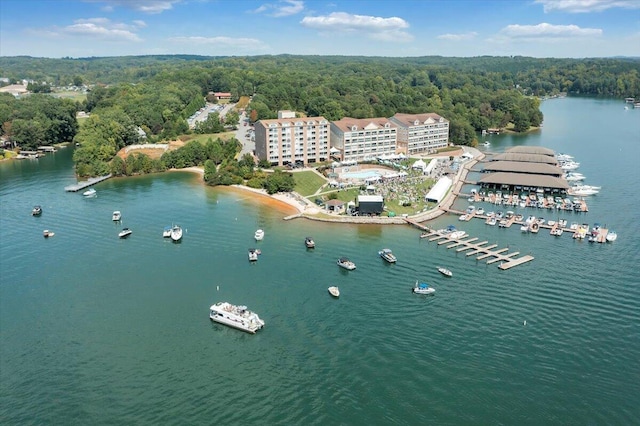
x=471 y=247
x=86 y=183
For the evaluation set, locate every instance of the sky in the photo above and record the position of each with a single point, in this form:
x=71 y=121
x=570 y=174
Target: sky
x=466 y=28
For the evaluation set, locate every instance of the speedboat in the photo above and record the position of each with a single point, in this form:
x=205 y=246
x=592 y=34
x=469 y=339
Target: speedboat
x=253 y=255
x=46 y=233
x=166 y=233
x=345 y=263
x=456 y=234
x=259 y=235
x=334 y=291
x=423 y=288
x=387 y=255
x=116 y=216
x=487 y=143
x=37 y=211
x=89 y=192
x=611 y=236
x=176 y=233
x=308 y=241
x=556 y=232
x=235 y=316
x=445 y=272
x=125 y=233
x=492 y=221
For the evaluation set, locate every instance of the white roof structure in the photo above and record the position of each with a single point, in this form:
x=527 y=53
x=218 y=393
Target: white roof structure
x=370 y=199
x=430 y=166
x=419 y=165
x=439 y=190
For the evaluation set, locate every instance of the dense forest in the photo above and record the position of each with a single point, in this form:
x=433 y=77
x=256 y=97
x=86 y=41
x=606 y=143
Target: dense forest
x=156 y=94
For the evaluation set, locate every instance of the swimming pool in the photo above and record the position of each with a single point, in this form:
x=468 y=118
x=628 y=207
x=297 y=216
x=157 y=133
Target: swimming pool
x=360 y=175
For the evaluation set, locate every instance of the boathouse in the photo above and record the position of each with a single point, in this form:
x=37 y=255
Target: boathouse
x=517 y=181
x=523 y=167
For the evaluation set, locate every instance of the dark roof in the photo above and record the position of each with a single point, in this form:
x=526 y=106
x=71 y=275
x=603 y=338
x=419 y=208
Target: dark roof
x=539 y=150
x=523 y=167
x=523 y=179
x=526 y=158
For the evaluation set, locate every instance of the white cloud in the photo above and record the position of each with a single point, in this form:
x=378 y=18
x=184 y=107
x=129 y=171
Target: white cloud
x=586 y=6
x=221 y=41
x=140 y=24
x=458 y=37
x=547 y=31
x=282 y=8
x=386 y=29
x=145 y=6
x=97 y=28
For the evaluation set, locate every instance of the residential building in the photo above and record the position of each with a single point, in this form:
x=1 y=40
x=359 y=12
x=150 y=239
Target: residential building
x=360 y=139
x=421 y=133
x=284 y=141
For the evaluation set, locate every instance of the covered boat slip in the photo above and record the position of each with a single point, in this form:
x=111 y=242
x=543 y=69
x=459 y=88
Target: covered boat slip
x=525 y=158
x=523 y=167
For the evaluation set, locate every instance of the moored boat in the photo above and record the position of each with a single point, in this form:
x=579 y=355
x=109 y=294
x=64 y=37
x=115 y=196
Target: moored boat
x=236 y=316
x=37 y=211
x=308 y=241
x=253 y=255
x=259 y=235
x=345 y=263
x=611 y=236
x=176 y=233
x=423 y=288
x=46 y=233
x=387 y=255
x=334 y=291
x=445 y=272
x=89 y=192
x=116 y=216
x=166 y=233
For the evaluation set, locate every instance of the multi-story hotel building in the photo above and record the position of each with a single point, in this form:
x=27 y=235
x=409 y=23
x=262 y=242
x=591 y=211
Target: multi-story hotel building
x=360 y=139
x=286 y=141
x=421 y=133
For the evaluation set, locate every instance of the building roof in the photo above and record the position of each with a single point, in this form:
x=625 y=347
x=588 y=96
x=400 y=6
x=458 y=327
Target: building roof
x=523 y=167
x=408 y=120
x=439 y=190
x=349 y=124
x=222 y=94
x=370 y=199
x=334 y=203
x=527 y=158
x=292 y=121
x=540 y=150
x=523 y=179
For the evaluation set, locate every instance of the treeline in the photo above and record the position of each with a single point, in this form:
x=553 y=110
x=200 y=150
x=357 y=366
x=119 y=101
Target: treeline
x=37 y=120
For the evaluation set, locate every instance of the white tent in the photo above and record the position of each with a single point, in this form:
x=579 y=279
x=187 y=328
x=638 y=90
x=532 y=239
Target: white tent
x=419 y=165
x=439 y=190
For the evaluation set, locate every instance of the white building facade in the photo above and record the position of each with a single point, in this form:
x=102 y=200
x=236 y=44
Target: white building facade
x=421 y=133
x=363 y=139
x=287 y=141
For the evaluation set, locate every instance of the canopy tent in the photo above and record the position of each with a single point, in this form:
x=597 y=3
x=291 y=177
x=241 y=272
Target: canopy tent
x=419 y=165
x=439 y=190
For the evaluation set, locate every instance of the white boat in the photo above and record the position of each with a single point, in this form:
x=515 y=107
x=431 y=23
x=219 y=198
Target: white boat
x=569 y=165
x=583 y=192
x=253 y=255
x=37 y=211
x=89 y=192
x=259 y=235
x=480 y=211
x=524 y=228
x=334 y=291
x=611 y=236
x=564 y=157
x=463 y=217
x=492 y=221
x=116 y=216
x=387 y=255
x=423 y=288
x=166 y=233
x=125 y=233
x=456 y=234
x=308 y=241
x=235 y=316
x=345 y=263
x=176 y=233
x=445 y=272
x=556 y=232
x=487 y=143
x=46 y=233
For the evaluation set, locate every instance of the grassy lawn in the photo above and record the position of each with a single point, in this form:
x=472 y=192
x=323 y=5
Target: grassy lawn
x=307 y=182
x=203 y=138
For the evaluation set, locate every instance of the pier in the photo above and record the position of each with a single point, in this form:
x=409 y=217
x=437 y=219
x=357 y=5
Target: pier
x=479 y=249
x=87 y=183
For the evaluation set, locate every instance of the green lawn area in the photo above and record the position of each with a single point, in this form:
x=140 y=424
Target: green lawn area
x=307 y=182
x=203 y=138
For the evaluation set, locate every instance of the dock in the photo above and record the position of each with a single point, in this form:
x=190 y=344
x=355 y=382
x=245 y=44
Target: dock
x=480 y=250
x=86 y=183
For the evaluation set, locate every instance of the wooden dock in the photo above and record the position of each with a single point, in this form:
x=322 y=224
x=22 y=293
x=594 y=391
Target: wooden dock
x=86 y=183
x=478 y=249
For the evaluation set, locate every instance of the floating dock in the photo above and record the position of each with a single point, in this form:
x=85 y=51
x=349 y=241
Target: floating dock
x=478 y=249
x=85 y=184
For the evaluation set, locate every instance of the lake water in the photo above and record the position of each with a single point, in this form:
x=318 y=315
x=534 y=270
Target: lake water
x=99 y=330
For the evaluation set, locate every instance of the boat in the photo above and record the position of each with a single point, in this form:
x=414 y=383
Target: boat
x=345 y=263
x=89 y=192
x=116 y=216
x=259 y=235
x=166 y=233
x=524 y=228
x=456 y=234
x=334 y=291
x=445 y=272
x=611 y=236
x=235 y=316
x=423 y=288
x=308 y=241
x=491 y=221
x=487 y=143
x=37 y=211
x=125 y=233
x=463 y=217
x=253 y=255
x=556 y=232
x=46 y=233
x=176 y=233
x=387 y=255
